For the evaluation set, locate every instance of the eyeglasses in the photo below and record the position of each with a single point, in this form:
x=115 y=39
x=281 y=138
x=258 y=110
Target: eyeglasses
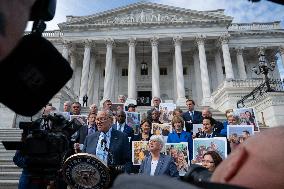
x=102 y=119
x=207 y=161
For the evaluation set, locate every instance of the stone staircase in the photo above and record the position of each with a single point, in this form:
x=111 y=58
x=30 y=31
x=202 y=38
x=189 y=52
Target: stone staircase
x=9 y=173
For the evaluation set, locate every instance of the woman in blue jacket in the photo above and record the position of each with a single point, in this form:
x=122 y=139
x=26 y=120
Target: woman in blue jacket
x=179 y=135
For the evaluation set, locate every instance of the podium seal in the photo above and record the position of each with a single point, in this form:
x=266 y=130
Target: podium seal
x=83 y=171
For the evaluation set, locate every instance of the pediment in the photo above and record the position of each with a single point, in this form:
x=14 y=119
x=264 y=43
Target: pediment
x=144 y=13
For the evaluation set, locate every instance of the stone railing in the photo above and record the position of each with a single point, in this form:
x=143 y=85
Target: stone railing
x=240 y=83
x=49 y=34
x=255 y=26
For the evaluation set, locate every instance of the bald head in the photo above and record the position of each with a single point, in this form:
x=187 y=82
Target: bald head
x=260 y=156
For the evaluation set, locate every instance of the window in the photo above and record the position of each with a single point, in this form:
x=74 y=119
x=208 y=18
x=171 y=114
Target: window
x=124 y=72
x=144 y=71
x=184 y=70
x=163 y=71
x=224 y=70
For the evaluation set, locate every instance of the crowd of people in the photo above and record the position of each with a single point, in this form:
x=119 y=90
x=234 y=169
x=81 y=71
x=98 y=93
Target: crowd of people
x=107 y=135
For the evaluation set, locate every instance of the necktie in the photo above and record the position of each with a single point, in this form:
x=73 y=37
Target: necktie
x=120 y=127
x=91 y=130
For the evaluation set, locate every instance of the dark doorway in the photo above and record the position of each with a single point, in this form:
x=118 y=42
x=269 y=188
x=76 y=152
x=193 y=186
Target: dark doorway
x=144 y=98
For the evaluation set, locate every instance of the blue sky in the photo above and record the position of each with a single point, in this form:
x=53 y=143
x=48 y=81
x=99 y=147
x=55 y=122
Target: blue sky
x=242 y=11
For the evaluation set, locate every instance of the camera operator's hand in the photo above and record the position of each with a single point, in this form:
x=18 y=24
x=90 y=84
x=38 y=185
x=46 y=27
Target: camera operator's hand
x=14 y=15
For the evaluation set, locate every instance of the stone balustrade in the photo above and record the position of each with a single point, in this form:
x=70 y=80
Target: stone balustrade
x=255 y=26
x=49 y=34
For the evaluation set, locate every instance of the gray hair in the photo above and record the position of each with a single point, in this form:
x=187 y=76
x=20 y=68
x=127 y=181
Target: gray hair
x=159 y=139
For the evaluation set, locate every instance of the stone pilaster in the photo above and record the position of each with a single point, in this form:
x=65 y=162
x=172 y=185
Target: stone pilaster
x=224 y=39
x=66 y=49
x=132 y=70
x=204 y=70
x=85 y=70
x=155 y=68
x=181 y=100
x=241 y=64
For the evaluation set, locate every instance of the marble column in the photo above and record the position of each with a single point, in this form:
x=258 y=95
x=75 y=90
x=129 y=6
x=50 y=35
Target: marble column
x=155 y=68
x=108 y=69
x=241 y=64
x=85 y=70
x=204 y=70
x=219 y=70
x=224 y=39
x=66 y=48
x=91 y=82
x=73 y=63
x=281 y=51
x=113 y=74
x=181 y=100
x=132 y=70
x=197 y=74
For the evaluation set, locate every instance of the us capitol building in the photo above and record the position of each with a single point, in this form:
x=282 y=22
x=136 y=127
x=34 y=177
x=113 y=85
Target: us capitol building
x=147 y=49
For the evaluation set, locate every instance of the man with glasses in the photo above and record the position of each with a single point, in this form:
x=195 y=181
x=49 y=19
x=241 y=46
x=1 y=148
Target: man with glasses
x=75 y=108
x=120 y=124
x=108 y=144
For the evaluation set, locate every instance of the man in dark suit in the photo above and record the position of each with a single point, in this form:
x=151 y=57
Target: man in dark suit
x=84 y=131
x=218 y=125
x=156 y=103
x=208 y=128
x=121 y=125
x=191 y=116
x=108 y=144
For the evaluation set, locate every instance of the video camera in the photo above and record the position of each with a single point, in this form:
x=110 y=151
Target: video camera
x=46 y=144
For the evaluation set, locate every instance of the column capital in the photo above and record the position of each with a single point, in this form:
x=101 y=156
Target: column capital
x=109 y=42
x=224 y=38
x=261 y=50
x=132 y=42
x=239 y=50
x=281 y=50
x=177 y=40
x=66 y=44
x=88 y=43
x=154 y=41
x=200 y=39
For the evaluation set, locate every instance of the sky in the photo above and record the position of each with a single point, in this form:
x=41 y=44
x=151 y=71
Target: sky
x=243 y=11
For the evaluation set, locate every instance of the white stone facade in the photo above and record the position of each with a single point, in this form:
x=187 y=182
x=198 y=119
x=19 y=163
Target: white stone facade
x=189 y=54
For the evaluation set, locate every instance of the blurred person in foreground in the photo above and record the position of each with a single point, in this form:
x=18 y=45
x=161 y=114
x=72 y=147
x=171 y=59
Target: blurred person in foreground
x=14 y=15
x=256 y=164
x=211 y=160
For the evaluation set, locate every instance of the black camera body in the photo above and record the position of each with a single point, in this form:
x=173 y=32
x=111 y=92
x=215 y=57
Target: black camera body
x=43 y=10
x=46 y=144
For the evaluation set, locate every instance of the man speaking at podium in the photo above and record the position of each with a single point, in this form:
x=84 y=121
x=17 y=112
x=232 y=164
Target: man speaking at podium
x=109 y=145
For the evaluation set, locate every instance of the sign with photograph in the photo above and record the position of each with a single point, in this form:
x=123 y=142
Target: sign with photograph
x=166 y=110
x=197 y=128
x=161 y=129
x=180 y=154
x=203 y=145
x=81 y=118
x=247 y=116
x=239 y=133
x=139 y=151
x=115 y=107
x=133 y=120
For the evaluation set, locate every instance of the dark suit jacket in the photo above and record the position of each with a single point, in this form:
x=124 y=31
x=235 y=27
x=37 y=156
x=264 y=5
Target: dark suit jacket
x=215 y=134
x=196 y=119
x=119 y=147
x=81 y=134
x=165 y=166
x=127 y=130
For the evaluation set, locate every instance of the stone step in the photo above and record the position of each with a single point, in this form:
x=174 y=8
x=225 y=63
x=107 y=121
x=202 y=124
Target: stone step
x=6 y=161
x=10 y=168
x=10 y=175
x=9 y=184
